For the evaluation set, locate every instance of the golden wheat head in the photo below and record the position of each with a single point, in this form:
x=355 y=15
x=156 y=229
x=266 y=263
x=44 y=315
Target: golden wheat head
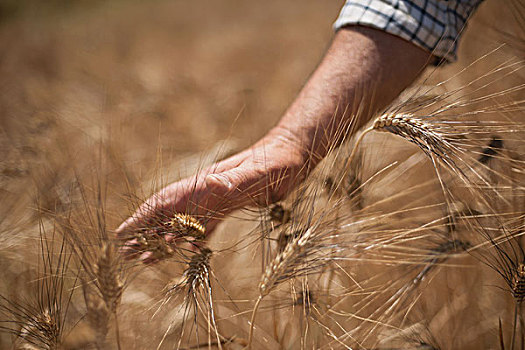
x=187 y=225
x=108 y=276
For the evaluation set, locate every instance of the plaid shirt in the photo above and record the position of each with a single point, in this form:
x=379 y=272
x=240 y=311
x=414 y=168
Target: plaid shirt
x=434 y=25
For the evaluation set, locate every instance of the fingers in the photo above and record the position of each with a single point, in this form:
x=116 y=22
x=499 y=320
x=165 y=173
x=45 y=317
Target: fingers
x=149 y=228
x=140 y=232
x=148 y=258
x=177 y=196
x=125 y=226
x=168 y=200
x=241 y=185
x=130 y=249
x=250 y=184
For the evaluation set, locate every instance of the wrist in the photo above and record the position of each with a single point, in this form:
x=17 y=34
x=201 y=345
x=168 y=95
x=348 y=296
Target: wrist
x=296 y=144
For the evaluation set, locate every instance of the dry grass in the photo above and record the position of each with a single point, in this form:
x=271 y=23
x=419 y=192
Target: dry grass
x=410 y=237
x=41 y=321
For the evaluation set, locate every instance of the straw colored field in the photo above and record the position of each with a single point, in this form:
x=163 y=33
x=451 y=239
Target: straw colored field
x=118 y=98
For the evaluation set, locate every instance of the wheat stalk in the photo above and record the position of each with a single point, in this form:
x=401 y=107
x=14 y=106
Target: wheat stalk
x=97 y=314
x=39 y=323
x=415 y=130
x=412 y=129
x=195 y=280
x=43 y=327
x=284 y=263
x=198 y=271
x=103 y=280
x=186 y=225
x=504 y=254
x=102 y=296
x=518 y=283
x=108 y=277
x=282 y=267
x=152 y=236
x=109 y=281
x=305 y=244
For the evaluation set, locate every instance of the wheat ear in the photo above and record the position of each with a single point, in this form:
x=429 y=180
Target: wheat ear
x=280 y=268
x=103 y=298
x=198 y=269
x=187 y=225
x=39 y=322
x=152 y=237
x=518 y=292
x=109 y=282
x=196 y=276
x=409 y=127
x=43 y=325
x=518 y=283
x=108 y=277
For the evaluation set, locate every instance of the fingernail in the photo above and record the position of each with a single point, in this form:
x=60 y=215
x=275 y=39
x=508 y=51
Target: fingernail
x=121 y=228
x=221 y=179
x=146 y=256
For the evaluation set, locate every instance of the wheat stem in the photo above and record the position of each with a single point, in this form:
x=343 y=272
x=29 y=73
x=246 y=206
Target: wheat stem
x=501 y=340
x=356 y=146
x=515 y=325
x=117 y=332
x=252 y=321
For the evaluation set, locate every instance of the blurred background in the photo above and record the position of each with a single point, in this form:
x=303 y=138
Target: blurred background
x=175 y=72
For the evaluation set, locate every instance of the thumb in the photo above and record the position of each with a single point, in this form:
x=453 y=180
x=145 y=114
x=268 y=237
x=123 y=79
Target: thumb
x=235 y=185
x=219 y=183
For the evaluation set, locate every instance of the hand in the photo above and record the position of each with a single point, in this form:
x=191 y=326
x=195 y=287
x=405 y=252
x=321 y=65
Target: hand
x=259 y=175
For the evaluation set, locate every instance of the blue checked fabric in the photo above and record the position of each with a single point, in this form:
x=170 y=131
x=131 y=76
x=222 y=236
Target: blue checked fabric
x=434 y=25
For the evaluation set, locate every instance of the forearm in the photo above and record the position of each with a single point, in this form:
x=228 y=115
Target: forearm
x=363 y=71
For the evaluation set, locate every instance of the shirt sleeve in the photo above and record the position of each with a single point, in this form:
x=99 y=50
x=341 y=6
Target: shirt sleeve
x=434 y=25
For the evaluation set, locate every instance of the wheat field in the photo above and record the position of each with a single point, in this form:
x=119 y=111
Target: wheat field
x=408 y=236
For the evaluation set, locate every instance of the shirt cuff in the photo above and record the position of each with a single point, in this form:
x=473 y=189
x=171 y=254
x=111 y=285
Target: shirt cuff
x=434 y=25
